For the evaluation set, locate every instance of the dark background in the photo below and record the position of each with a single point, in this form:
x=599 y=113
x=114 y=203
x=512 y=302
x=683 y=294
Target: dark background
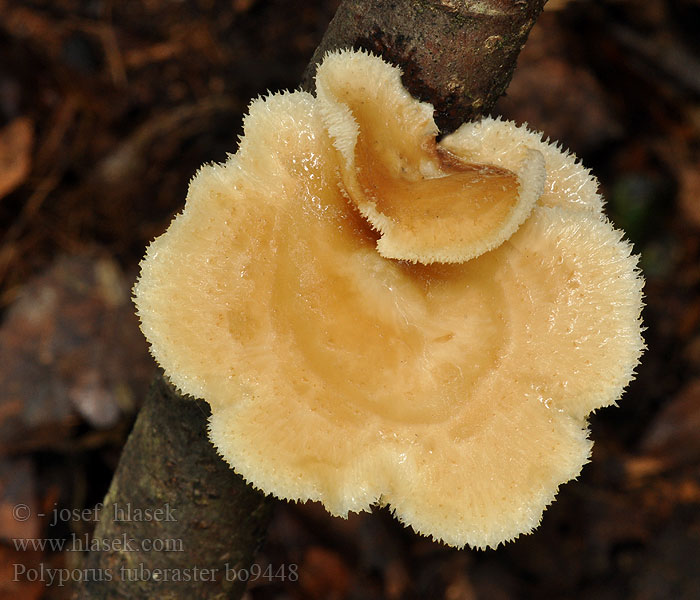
x=106 y=110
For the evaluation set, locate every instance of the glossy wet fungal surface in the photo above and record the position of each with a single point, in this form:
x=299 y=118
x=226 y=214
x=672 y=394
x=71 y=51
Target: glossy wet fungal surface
x=375 y=317
x=428 y=204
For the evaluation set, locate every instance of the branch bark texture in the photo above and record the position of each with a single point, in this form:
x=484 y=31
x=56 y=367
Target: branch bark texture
x=177 y=522
x=459 y=55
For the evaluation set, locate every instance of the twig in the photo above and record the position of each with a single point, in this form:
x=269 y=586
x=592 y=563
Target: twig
x=459 y=55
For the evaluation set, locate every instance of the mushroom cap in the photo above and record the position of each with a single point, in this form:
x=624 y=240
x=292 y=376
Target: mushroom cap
x=454 y=391
x=427 y=204
x=567 y=182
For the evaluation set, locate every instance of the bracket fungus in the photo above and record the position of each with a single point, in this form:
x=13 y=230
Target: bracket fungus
x=377 y=317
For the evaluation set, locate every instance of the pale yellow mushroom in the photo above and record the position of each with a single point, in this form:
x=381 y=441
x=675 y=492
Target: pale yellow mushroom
x=455 y=392
x=568 y=183
x=428 y=204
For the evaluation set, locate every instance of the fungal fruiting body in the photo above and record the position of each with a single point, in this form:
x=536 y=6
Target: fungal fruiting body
x=377 y=317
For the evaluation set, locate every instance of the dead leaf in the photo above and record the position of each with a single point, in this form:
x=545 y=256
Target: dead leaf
x=16 y=141
x=18 y=500
x=71 y=351
x=689 y=192
x=672 y=439
x=323 y=574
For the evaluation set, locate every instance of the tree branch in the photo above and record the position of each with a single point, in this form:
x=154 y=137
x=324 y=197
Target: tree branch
x=459 y=55
x=208 y=518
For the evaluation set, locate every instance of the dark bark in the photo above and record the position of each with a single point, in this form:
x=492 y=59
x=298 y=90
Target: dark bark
x=209 y=517
x=459 y=55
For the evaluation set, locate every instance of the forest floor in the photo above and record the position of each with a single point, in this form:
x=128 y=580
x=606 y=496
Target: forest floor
x=106 y=111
